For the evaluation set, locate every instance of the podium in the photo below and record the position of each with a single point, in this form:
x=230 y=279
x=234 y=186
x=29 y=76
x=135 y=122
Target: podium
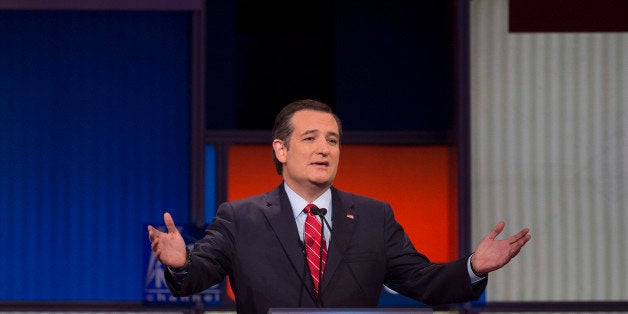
x=350 y=310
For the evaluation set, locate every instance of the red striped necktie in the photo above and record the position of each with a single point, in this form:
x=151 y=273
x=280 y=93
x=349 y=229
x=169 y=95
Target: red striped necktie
x=313 y=248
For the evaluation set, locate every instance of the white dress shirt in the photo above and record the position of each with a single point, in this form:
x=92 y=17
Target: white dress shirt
x=298 y=204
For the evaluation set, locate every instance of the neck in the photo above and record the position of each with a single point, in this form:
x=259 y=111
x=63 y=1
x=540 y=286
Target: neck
x=310 y=192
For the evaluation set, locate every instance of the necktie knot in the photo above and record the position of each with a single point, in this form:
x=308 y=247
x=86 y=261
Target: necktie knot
x=307 y=209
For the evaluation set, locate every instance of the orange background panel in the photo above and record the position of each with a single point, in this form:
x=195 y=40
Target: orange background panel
x=417 y=181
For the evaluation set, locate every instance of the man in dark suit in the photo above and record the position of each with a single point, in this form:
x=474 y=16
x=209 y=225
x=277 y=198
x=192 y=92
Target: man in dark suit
x=274 y=259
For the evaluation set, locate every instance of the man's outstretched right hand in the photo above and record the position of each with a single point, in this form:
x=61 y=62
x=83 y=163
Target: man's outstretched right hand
x=169 y=247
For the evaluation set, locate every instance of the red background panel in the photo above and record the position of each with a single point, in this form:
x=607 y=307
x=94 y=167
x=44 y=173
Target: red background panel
x=417 y=181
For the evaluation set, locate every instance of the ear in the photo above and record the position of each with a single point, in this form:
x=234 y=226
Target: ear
x=280 y=150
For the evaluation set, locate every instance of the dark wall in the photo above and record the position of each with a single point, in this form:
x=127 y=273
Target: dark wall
x=381 y=65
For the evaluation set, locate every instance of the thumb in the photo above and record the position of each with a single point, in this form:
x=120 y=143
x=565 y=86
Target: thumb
x=170 y=223
x=496 y=231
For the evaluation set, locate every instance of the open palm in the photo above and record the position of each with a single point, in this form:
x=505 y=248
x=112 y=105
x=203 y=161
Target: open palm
x=169 y=247
x=492 y=254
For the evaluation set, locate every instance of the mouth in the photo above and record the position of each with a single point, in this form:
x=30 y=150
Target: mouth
x=320 y=163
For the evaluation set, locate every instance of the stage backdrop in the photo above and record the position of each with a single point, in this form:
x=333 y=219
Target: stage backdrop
x=94 y=135
x=549 y=151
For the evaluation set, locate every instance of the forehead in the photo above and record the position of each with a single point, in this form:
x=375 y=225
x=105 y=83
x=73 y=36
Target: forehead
x=306 y=120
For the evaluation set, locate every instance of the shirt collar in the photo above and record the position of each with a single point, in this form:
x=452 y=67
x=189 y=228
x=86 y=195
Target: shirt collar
x=298 y=203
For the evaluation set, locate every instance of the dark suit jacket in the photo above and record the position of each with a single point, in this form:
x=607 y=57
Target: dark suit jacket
x=255 y=242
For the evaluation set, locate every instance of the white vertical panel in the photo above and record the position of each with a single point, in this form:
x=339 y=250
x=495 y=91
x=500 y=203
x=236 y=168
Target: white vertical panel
x=549 y=150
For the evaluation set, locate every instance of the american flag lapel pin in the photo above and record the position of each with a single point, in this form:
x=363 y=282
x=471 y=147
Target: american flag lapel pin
x=350 y=216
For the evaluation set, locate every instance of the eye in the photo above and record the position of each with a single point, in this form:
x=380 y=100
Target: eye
x=309 y=139
x=332 y=141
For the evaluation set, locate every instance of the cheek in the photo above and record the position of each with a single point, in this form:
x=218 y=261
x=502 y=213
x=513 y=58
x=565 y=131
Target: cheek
x=297 y=157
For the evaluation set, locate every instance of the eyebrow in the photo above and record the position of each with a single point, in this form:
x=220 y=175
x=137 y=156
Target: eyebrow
x=313 y=131
x=310 y=132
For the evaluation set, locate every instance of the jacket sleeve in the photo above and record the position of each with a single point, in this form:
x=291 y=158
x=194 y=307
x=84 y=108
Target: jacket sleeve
x=412 y=274
x=211 y=257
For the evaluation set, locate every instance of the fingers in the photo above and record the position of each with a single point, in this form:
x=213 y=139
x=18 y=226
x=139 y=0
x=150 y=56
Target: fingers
x=158 y=239
x=152 y=233
x=523 y=234
x=154 y=245
x=516 y=249
x=521 y=239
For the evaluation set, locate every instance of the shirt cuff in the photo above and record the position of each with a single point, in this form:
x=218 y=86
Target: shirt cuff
x=474 y=278
x=180 y=274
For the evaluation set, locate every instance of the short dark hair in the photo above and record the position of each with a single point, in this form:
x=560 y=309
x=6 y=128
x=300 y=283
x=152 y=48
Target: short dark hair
x=282 y=130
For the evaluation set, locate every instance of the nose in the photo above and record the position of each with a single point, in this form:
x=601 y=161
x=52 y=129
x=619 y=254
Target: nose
x=323 y=148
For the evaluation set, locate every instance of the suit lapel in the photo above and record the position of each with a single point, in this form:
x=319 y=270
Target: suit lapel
x=278 y=212
x=344 y=220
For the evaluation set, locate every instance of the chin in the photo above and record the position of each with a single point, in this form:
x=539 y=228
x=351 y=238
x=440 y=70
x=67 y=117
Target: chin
x=321 y=182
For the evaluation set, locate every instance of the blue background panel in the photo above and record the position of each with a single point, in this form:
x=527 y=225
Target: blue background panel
x=210 y=184
x=94 y=137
